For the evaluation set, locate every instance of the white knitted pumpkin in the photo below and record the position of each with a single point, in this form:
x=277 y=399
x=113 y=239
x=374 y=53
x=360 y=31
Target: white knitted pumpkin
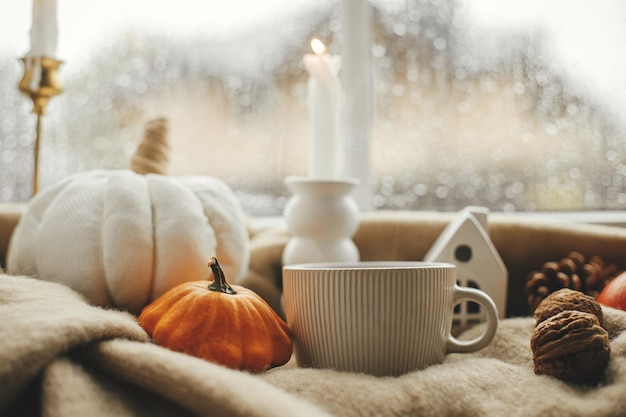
x=123 y=239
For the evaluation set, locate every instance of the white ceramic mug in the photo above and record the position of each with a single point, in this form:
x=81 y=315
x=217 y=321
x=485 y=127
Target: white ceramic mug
x=380 y=318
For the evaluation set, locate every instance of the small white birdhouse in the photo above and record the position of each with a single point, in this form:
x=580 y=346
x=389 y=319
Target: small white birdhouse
x=465 y=242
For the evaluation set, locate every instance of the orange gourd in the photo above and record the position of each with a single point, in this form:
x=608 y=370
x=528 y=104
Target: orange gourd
x=228 y=325
x=614 y=294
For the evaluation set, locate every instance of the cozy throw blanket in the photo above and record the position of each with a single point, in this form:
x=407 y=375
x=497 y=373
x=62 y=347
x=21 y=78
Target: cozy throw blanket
x=60 y=356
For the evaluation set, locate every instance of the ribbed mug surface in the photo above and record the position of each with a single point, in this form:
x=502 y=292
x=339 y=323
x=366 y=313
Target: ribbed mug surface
x=379 y=318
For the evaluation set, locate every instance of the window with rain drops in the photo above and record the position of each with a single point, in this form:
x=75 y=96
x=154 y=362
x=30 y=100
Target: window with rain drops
x=517 y=107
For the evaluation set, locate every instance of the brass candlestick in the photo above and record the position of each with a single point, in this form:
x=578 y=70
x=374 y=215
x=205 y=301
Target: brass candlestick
x=40 y=82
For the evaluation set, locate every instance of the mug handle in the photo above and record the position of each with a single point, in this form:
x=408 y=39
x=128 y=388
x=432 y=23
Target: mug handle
x=455 y=345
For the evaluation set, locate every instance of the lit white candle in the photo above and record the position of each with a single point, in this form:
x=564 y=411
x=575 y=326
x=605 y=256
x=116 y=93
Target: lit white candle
x=324 y=100
x=44 y=30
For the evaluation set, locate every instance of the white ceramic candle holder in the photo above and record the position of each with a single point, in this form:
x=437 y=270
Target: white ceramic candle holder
x=322 y=218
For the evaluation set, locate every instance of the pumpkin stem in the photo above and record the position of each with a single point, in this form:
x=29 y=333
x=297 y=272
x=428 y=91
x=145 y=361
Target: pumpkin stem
x=219 y=280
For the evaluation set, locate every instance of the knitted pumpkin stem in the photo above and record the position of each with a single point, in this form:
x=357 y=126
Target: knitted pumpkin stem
x=219 y=280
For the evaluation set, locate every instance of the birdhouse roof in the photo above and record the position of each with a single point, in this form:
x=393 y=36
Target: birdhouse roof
x=465 y=230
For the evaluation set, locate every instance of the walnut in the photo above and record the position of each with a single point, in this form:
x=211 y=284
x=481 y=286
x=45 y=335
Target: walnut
x=567 y=299
x=571 y=346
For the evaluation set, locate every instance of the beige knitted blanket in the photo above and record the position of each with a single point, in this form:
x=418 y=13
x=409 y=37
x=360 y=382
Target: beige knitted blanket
x=60 y=356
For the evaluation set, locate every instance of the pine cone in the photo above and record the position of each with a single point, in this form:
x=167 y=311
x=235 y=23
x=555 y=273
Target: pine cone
x=573 y=271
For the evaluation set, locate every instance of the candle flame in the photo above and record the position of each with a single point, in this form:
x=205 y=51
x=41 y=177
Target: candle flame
x=318 y=46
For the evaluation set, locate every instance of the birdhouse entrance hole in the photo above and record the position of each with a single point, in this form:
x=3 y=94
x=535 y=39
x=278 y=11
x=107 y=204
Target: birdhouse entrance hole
x=463 y=253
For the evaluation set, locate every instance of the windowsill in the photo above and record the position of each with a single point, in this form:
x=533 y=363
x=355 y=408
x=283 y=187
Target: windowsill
x=606 y=218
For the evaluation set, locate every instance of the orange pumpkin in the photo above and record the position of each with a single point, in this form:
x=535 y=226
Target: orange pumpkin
x=228 y=325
